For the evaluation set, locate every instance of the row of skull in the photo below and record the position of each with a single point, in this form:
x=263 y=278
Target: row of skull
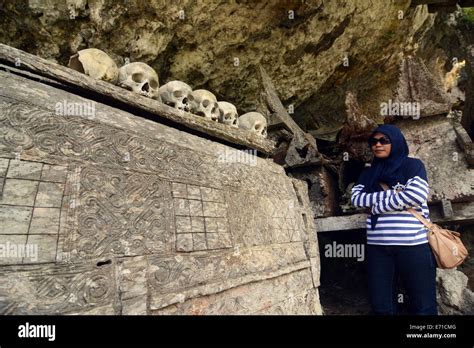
x=142 y=79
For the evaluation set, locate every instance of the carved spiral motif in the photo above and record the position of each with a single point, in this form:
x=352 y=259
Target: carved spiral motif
x=96 y=289
x=17 y=140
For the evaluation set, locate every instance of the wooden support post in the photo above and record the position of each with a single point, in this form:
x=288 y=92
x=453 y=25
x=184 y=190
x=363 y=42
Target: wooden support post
x=446 y=208
x=464 y=141
x=302 y=149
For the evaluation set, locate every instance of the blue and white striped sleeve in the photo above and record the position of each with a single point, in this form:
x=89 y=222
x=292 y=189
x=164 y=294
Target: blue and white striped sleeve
x=415 y=194
x=360 y=199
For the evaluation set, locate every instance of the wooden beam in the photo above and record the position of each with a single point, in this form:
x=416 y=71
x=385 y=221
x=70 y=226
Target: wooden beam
x=446 y=208
x=302 y=149
x=463 y=213
x=340 y=223
x=99 y=89
x=275 y=105
x=465 y=142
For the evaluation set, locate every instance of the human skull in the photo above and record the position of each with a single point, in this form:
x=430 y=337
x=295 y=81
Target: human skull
x=139 y=78
x=175 y=94
x=204 y=103
x=254 y=122
x=228 y=114
x=95 y=63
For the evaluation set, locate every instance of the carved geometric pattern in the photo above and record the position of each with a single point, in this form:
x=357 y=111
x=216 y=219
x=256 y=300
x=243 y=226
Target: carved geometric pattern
x=36 y=131
x=122 y=213
x=30 y=208
x=58 y=289
x=264 y=220
x=40 y=133
x=200 y=217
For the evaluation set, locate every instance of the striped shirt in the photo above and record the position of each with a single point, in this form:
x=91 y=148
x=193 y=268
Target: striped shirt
x=395 y=227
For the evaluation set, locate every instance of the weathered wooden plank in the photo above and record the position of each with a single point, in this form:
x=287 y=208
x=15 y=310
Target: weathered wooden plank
x=446 y=208
x=322 y=189
x=302 y=148
x=31 y=75
x=462 y=213
x=465 y=142
x=275 y=104
x=101 y=89
x=22 y=97
x=340 y=223
x=463 y=138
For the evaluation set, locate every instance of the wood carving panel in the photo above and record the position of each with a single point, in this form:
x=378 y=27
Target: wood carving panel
x=40 y=134
x=201 y=218
x=258 y=220
x=56 y=288
x=122 y=213
x=150 y=217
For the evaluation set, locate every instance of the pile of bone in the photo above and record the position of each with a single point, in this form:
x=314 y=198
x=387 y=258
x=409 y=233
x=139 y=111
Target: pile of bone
x=142 y=79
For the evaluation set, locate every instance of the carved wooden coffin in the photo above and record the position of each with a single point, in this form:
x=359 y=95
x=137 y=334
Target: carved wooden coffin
x=130 y=216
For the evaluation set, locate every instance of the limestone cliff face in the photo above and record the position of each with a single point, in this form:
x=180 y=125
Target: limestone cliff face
x=301 y=44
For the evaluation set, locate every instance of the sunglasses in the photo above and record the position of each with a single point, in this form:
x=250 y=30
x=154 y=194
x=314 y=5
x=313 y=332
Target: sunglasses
x=383 y=141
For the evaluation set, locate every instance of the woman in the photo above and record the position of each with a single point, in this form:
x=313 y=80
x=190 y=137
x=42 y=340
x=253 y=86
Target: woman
x=397 y=242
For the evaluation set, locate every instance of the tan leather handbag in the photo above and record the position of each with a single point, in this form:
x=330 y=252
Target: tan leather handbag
x=447 y=247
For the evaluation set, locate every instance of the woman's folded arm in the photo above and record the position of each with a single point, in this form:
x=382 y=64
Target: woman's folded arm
x=361 y=199
x=415 y=194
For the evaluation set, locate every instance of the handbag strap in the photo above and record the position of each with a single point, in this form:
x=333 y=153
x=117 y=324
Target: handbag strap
x=425 y=222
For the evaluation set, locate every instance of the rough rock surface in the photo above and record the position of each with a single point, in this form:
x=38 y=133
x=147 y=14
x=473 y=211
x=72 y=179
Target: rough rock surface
x=453 y=294
x=198 y=42
x=447 y=169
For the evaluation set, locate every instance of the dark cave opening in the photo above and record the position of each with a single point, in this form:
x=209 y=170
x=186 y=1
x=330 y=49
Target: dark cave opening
x=343 y=289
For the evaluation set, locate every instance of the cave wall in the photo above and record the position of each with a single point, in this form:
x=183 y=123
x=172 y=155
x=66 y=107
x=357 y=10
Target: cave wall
x=302 y=50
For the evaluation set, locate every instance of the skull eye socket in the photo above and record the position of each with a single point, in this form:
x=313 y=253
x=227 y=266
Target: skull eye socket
x=137 y=77
x=258 y=126
x=190 y=97
x=153 y=84
x=178 y=94
x=227 y=116
x=235 y=121
x=205 y=103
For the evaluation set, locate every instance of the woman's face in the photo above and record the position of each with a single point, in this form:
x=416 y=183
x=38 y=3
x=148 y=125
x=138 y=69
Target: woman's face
x=379 y=150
